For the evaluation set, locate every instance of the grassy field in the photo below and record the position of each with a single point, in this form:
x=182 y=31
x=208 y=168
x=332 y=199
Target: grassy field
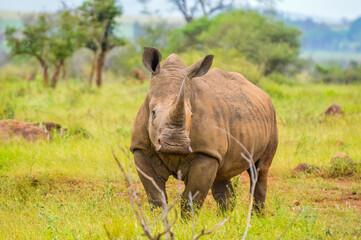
x=70 y=187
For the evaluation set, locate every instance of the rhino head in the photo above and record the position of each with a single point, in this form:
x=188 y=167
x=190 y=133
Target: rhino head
x=168 y=100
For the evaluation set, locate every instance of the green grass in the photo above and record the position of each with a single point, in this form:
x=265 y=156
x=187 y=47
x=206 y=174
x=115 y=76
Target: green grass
x=70 y=187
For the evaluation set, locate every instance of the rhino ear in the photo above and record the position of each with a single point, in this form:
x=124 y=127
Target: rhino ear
x=151 y=59
x=199 y=68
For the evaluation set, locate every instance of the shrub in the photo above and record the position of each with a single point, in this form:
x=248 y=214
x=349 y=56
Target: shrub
x=262 y=40
x=230 y=61
x=342 y=167
x=333 y=73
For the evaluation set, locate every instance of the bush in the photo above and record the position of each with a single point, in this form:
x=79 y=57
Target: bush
x=230 y=61
x=280 y=79
x=334 y=73
x=342 y=167
x=124 y=60
x=265 y=41
x=187 y=38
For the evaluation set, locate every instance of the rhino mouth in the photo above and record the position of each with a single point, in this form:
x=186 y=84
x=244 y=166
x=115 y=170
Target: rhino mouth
x=174 y=148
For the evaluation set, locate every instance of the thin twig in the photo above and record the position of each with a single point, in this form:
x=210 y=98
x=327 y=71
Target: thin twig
x=166 y=208
x=212 y=230
x=108 y=234
x=139 y=214
x=136 y=205
x=190 y=204
x=253 y=177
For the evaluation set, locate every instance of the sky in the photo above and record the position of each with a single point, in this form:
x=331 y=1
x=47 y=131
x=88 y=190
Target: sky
x=332 y=10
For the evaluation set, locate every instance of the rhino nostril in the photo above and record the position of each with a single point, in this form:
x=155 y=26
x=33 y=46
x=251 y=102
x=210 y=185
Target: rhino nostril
x=159 y=140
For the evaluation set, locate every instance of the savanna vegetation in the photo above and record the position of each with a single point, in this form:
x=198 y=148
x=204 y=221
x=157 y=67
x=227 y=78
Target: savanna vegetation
x=71 y=187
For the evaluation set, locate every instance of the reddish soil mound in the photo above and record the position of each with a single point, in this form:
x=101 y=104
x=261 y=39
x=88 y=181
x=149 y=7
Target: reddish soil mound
x=334 y=109
x=10 y=129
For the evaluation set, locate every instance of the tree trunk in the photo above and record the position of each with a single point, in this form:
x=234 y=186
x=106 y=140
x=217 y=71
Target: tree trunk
x=55 y=78
x=45 y=72
x=63 y=77
x=99 y=67
x=94 y=64
x=45 y=75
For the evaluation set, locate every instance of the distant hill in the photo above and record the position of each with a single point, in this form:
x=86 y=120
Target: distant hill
x=341 y=37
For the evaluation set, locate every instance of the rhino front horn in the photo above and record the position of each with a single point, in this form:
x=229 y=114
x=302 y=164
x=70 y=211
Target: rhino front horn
x=177 y=113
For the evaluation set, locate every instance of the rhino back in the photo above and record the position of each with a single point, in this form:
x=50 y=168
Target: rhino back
x=228 y=101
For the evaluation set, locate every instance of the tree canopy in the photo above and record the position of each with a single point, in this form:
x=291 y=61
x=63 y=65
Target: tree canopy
x=98 y=21
x=263 y=40
x=50 y=39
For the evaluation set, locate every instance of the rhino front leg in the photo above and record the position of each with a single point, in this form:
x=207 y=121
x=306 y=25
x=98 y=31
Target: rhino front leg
x=223 y=194
x=201 y=175
x=160 y=177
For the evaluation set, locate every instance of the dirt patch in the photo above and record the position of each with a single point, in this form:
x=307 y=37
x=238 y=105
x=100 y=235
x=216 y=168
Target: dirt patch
x=343 y=200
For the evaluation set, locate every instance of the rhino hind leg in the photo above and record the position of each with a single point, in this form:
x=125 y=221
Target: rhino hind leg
x=223 y=194
x=262 y=166
x=260 y=190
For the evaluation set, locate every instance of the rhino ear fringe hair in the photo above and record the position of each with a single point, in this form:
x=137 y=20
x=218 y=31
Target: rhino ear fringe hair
x=164 y=216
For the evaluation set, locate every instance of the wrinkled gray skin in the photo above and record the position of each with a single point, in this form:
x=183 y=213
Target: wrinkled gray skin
x=178 y=128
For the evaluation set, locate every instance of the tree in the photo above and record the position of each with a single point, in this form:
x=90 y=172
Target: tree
x=207 y=7
x=263 y=40
x=187 y=37
x=31 y=41
x=154 y=34
x=50 y=39
x=98 y=21
x=63 y=41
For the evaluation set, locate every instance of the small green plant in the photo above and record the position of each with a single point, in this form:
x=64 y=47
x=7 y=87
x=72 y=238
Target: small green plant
x=342 y=167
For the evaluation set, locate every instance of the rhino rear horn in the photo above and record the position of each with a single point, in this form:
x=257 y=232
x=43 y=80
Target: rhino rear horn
x=199 y=68
x=151 y=59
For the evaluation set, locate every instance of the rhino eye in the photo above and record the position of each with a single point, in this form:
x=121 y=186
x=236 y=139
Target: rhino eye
x=153 y=114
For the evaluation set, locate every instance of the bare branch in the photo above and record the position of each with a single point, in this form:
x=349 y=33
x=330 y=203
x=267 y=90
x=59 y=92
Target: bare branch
x=253 y=177
x=139 y=214
x=207 y=7
x=108 y=234
x=190 y=204
x=182 y=7
x=203 y=7
x=203 y=233
x=134 y=201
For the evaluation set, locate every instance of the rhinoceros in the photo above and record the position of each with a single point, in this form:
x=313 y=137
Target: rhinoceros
x=192 y=120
